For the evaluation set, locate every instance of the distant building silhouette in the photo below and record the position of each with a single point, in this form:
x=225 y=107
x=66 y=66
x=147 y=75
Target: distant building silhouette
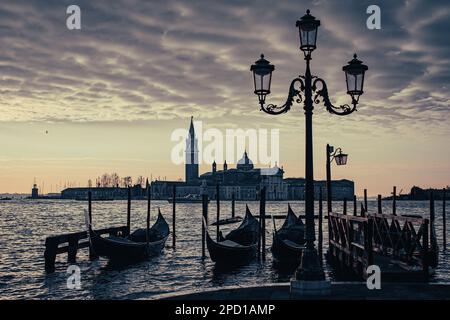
x=191 y=166
x=104 y=193
x=341 y=189
x=418 y=194
x=34 y=192
x=244 y=182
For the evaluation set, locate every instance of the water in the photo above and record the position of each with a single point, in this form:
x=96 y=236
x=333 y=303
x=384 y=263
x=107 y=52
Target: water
x=24 y=225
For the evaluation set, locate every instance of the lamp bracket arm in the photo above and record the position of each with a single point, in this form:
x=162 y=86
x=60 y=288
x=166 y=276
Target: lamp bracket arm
x=293 y=95
x=333 y=155
x=342 y=110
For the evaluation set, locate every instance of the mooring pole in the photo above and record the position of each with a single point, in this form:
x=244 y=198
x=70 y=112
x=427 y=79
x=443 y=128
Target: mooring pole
x=355 y=206
x=205 y=217
x=345 y=206
x=90 y=206
x=217 y=211
x=320 y=227
x=328 y=170
x=432 y=212
x=92 y=255
x=262 y=217
x=129 y=211
x=232 y=205
x=380 y=210
x=365 y=201
x=394 y=201
x=370 y=240
x=444 y=221
x=149 y=197
x=425 y=242
x=174 y=197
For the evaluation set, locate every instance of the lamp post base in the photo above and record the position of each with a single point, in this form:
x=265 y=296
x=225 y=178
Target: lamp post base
x=305 y=288
x=310 y=268
x=309 y=278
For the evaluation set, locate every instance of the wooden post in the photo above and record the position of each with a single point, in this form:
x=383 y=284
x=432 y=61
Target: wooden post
x=129 y=211
x=174 y=198
x=205 y=216
x=92 y=254
x=232 y=205
x=380 y=210
x=320 y=227
x=432 y=211
x=345 y=206
x=72 y=249
x=90 y=206
x=217 y=211
x=425 y=249
x=370 y=240
x=363 y=213
x=149 y=199
x=365 y=201
x=262 y=218
x=349 y=258
x=444 y=221
x=51 y=245
x=394 y=201
x=355 y=206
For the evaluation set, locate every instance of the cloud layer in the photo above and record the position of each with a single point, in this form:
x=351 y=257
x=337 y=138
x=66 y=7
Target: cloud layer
x=139 y=60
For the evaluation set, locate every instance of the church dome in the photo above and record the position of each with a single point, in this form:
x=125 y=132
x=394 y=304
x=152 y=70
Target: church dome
x=245 y=163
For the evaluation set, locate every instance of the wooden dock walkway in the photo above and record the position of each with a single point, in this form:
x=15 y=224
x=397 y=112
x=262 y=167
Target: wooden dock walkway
x=404 y=247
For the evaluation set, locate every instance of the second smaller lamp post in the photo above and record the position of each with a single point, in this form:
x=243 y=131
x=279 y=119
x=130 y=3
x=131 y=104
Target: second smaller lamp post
x=341 y=160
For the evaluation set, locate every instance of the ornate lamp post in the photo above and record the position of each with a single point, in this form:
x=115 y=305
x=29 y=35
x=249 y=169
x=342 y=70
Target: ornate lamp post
x=341 y=160
x=310 y=269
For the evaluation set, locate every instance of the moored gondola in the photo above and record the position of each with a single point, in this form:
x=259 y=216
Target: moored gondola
x=136 y=246
x=239 y=246
x=288 y=242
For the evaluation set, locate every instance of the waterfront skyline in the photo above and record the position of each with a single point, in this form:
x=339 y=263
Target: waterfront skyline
x=76 y=104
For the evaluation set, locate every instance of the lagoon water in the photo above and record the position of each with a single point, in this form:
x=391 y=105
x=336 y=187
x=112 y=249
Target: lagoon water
x=24 y=225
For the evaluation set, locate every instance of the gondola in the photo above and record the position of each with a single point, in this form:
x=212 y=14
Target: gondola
x=288 y=242
x=133 y=247
x=239 y=246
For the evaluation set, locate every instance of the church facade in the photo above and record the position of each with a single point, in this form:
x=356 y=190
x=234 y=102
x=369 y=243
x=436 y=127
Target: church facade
x=244 y=182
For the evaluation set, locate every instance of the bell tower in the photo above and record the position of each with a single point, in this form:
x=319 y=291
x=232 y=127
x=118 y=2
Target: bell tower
x=191 y=166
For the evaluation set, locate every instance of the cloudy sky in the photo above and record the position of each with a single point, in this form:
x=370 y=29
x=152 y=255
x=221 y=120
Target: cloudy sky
x=106 y=98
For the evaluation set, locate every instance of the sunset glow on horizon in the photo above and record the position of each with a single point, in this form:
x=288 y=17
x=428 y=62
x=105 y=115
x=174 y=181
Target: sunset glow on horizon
x=78 y=103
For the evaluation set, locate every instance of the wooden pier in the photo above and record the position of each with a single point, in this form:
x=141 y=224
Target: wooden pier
x=70 y=243
x=403 y=246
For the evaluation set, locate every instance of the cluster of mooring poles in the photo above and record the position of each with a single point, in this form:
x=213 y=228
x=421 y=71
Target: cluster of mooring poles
x=70 y=243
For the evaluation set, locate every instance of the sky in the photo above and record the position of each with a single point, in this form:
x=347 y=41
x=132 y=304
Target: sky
x=77 y=103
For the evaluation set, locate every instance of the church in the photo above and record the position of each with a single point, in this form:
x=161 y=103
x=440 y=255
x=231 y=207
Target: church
x=243 y=182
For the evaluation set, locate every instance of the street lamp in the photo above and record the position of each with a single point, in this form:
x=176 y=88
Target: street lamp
x=341 y=160
x=262 y=78
x=302 y=89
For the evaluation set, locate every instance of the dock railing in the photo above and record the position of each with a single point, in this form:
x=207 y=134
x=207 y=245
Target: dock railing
x=71 y=243
x=355 y=240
